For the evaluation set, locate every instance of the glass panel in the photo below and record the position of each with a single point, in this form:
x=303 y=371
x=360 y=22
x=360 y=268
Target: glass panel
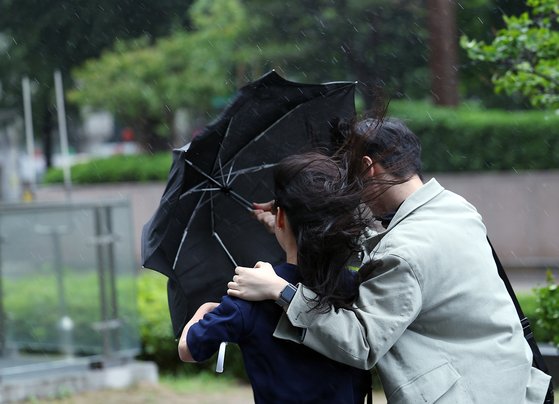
x=68 y=282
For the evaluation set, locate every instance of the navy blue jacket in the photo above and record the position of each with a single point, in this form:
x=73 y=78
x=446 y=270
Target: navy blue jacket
x=279 y=371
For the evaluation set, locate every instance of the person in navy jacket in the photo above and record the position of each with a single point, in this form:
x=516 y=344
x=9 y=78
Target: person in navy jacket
x=316 y=225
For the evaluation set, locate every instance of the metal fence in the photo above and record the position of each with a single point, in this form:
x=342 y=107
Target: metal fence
x=67 y=285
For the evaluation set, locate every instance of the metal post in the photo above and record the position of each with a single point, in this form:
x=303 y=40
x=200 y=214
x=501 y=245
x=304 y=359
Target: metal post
x=65 y=324
x=29 y=138
x=62 y=130
x=112 y=275
x=2 y=313
x=59 y=275
x=104 y=240
x=102 y=291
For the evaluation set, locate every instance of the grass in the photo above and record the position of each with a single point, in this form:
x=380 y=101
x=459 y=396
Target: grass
x=201 y=382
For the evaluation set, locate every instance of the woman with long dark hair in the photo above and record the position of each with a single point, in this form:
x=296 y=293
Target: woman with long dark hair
x=317 y=223
x=326 y=219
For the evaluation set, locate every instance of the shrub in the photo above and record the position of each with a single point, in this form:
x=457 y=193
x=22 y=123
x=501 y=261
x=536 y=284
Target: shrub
x=121 y=168
x=548 y=310
x=471 y=139
x=156 y=334
x=529 y=304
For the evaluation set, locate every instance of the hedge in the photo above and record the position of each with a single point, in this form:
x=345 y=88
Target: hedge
x=472 y=139
x=461 y=139
x=118 y=168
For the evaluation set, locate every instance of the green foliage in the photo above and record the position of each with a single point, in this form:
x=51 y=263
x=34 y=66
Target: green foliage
x=144 y=83
x=529 y=304
x=355 y=40
x=472 y=139
x=121 y=168
x=156 y=334
x=33 y=310
x=548 y=309
x=38 y=37
x=204 y=382
x=57 y=34
x=480 y=19
x=525 y=54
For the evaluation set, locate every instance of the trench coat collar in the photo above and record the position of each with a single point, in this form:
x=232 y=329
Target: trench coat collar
x=428 y=191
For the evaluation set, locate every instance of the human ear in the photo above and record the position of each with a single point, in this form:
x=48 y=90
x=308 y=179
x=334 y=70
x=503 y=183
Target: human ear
x=368 y=165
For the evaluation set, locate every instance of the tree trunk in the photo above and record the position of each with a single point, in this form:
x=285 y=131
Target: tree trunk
x=443 y=40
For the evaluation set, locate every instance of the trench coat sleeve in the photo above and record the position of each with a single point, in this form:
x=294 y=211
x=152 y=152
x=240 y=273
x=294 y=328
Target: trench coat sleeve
x=388 y=302
x=538 y=384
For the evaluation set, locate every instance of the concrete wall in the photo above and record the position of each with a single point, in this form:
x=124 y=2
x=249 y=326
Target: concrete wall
x=520 y=210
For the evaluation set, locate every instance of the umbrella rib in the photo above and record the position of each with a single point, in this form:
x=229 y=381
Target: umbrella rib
x=224 y=248
x=199 y=204
x=220 y=164
x=192 y=191
x=214 y=233
x=178 y=250
x=229 y=175
x=250 y=170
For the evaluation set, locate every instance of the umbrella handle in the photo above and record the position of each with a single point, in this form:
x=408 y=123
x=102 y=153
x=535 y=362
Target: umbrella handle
x=220 y=357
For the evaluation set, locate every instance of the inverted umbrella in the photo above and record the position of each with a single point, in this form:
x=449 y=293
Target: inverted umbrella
x=203 y=227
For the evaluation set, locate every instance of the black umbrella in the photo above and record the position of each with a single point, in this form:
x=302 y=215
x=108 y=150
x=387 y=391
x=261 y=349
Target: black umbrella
x=203 y=227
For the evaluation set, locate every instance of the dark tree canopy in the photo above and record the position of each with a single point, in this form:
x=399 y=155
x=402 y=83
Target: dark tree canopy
x=42 y=36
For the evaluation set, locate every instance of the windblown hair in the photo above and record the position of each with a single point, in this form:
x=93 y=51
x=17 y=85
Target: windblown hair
x=387 y=141
x=323 y=210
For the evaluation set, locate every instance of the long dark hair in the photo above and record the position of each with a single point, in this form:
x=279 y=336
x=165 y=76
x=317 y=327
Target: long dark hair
x=324 y=211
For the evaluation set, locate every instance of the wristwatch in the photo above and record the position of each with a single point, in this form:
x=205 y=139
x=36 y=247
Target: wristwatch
x=286 y=295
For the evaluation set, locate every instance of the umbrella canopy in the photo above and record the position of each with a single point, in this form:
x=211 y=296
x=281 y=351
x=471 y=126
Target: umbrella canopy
x=203 y=227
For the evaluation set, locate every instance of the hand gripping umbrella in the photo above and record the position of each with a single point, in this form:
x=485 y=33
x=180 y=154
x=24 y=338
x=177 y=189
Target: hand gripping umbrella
x=202 y=228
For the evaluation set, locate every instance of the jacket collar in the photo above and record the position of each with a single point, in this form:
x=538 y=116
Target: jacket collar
x=419 y=198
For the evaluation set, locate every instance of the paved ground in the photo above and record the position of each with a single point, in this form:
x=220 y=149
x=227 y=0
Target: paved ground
x=148 y=394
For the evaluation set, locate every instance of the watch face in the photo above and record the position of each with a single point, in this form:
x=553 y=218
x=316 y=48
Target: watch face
x=286 y=295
